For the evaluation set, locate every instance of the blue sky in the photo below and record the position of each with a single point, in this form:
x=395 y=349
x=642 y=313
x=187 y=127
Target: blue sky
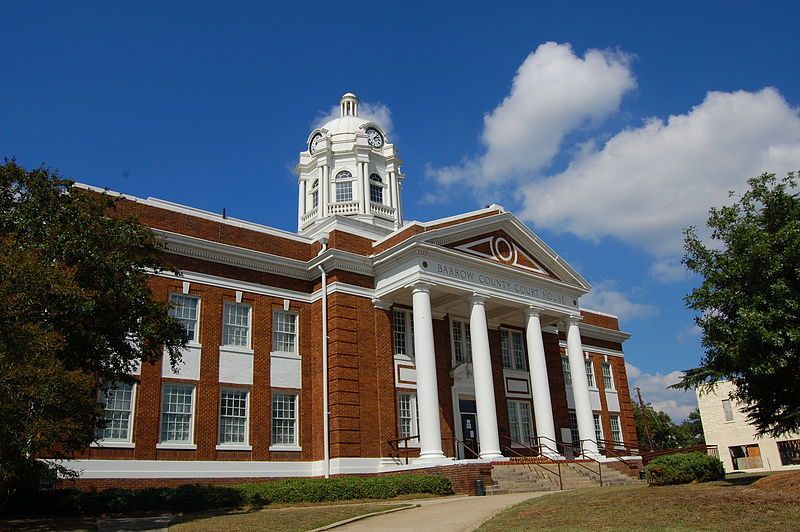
x=607 y=126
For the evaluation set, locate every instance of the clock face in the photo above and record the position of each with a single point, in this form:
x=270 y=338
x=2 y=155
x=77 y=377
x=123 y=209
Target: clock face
x=374 y=137
x=315 y=140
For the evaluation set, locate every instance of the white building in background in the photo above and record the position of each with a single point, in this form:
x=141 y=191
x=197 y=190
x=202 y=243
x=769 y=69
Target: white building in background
x=725 y=425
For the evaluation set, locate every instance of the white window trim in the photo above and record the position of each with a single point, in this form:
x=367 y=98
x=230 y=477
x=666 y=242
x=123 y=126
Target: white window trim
x=287 y=354
x=511 y=333
x=463 y=323
x=618 y=443
x=409 y=336
x=613 y=387
x=284 y=446
x=384 y=186
x=121 y=444
x=724 y=414
x=239 y=348
x=192 y=342
x=519 y=421
x=414 y=415
x=602 y=433
x=566 y=371
x=336 y=180
x=234 y=446
x=588 y=360
x=190 y=445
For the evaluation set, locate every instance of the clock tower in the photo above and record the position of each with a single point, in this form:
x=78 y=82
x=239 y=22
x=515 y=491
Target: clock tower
x=349 y=173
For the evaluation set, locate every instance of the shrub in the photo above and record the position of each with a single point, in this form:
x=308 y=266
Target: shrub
x=682 y=468
x=194 y=497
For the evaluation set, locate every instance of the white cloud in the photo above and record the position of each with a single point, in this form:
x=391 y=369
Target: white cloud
x=606 y=298
x=376 y=112
x=648 y=183
x=687 y=333
x=655 y=390
x=668 y=270
x=553 y=93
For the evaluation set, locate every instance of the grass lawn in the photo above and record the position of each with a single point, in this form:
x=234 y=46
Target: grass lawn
x=731 y=504
x=288 y=519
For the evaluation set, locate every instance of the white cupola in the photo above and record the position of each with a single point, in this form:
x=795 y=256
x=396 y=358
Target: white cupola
x=349 y=170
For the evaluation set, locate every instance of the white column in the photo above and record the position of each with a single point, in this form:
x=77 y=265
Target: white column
x=323 y=192
x=542 y=406
x=430 y=433
x=484 y=381
x=301 y=202
x=580 y=387
x=360 y=185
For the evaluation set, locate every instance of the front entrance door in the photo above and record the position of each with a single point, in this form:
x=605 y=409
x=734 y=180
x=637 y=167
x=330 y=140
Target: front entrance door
x=469 y=428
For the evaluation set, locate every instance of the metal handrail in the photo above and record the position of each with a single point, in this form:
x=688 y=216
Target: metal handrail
x=395 y=445
x=512 y=450
x=563 y=445
x=464 y=445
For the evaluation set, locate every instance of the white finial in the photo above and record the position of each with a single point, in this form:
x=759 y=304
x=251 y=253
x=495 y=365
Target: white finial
x=349 y=104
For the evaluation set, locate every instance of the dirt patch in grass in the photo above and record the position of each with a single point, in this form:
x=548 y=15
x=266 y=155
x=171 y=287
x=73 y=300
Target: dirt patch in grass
x=284 y=519
x=787 y=483
x=710 y=506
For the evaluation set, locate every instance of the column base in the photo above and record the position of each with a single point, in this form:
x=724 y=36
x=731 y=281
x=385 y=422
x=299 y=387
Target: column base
x=492 y=455
x=432 y=458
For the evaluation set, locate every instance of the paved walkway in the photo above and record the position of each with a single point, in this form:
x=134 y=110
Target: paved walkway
x=451 y=514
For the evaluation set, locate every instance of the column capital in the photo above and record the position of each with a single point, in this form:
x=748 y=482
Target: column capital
x=573 y=319
x=533 y=311
x=420 y=286
x=381 y=304
x=477 y=299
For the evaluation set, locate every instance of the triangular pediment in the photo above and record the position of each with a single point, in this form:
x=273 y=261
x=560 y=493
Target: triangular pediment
x=499 y=246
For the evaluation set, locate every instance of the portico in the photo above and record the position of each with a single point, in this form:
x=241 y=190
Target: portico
x=479 y=298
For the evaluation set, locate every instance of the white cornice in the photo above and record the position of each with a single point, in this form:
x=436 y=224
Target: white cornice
x=601 y=333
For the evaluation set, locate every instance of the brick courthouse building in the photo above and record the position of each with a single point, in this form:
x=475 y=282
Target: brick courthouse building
x=461 y=339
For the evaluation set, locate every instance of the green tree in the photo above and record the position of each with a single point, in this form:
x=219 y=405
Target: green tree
x=657 y=427
x=76 y=314
x=748 y=304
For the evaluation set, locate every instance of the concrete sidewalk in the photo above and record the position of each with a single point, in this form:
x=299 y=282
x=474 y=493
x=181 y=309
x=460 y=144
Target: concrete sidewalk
x=451 y=514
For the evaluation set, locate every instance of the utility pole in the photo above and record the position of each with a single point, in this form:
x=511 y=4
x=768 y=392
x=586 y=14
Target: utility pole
x=643 y=410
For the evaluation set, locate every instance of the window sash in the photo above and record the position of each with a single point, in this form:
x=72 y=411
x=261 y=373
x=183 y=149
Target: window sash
x=608 y=380
x=727 y=409
x=512 y=350
x=589 y=372
x=462 y=342
x=315 y=199
x=185 y=310
x=407 y=415
x=616 y=433
x=233 y=417
x=236 y=325
x=176 y=413
x=598 y=428
x=284 y=332
x=573 y=429
x=118 y=405
x=284 y=419
x=520 y=422
x=565 y=369
x=344 y=191
x=376 y=193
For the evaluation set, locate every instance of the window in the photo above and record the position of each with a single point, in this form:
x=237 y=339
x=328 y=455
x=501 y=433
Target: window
x=375 y=188
x=344 y=188
x=462 y=344
x=236 y=325
x=746 y=456
x=513 y=352
x=790 y=452
x=315 y=194
x=176 y=413
x=616 y=433
x=519 y=421
x=184 y=309
x=403 y=331
x=573 y=431
x=284 y=419
x=407 y=415
x=233 y=417
x=727 y=409
x=565 y=370
x=118 y=404
x=284 y=332
x=598 y=428
x=589 y=372
x=608 y=380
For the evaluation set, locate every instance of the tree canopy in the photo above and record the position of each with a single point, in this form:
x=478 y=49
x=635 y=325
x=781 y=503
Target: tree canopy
x=76 y=314
x=655 y=429
x=748 y=304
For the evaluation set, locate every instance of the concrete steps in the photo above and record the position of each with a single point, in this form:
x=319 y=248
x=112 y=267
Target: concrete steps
x=511 y=477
